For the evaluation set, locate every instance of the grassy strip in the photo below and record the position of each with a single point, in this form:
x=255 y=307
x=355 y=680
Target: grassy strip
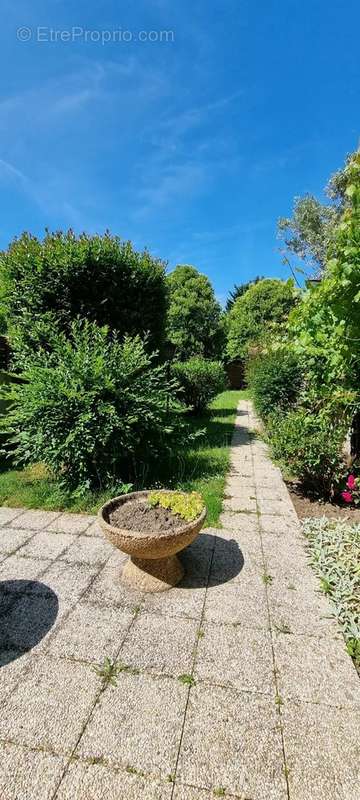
x=335 y=554
x=200 y=468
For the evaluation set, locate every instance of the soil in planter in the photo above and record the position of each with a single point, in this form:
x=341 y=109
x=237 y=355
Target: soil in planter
x=139 y=516
x=310 y=506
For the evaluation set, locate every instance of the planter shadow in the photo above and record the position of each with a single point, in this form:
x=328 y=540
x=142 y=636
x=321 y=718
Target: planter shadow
x=211 y=559
x=28 y=610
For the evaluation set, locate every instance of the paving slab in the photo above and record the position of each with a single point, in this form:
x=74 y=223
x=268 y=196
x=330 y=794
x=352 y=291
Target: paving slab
x=42 y=545
x=27 y=774
x=107 y=589
x=91 y=633
x=7 y=515
x=184 y=600
x=245 y=503
x=240 y=522
x=93 y=530
x=277 y=507
x=284 y=527
x=11 y=539
x=87 y=550
x=316 y=670
x=18 y=570
x=300 y=611
x=192 y=793
x=69 y=580
x=72 y=523
x=236 y=656
x=161 y=644
x=13 y=665
x=49 y=707
x=233 y=740
x=137 y=722
x=234 y=558
x=35 y=520
x=95 y=781
x=322 y=748
x=239 y=603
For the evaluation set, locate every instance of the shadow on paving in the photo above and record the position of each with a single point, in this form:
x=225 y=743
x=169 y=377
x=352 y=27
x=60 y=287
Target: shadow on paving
x=222 y=557
x=28 y=609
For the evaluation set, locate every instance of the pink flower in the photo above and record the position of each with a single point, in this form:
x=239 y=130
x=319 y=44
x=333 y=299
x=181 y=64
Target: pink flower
x=347 y=496
x=351 y=483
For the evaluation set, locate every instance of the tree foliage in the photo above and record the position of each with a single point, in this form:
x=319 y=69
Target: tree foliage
x=238 y=291
x=325 y=326
x=309 y=233
x=47 y=284
x=195 y=324
x=265 y=305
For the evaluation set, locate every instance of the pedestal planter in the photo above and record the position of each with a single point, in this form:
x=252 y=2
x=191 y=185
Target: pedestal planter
x=153 y=565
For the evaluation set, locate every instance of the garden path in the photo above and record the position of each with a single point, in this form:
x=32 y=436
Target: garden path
x=268 y=706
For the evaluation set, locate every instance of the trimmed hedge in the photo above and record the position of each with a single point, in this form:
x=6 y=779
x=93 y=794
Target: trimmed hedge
x=200 y=381
x=46 y=284
x=275 y=379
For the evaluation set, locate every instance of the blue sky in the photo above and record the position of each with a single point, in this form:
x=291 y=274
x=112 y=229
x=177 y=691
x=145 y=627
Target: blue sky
x=192 y=147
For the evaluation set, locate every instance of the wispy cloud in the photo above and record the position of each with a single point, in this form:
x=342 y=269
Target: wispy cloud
x=175 y=182
x=168 y=175
x=8 y=171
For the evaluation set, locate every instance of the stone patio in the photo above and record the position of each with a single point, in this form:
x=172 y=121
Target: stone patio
x=272 y=708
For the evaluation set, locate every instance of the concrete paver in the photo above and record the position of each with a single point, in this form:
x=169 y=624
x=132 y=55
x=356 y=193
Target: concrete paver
x=268 y=705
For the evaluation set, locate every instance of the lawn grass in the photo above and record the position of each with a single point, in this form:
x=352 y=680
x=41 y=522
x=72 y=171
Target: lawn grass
x=201 y=467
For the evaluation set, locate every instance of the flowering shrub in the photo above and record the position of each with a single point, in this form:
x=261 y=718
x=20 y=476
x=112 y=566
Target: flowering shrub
x=351 y=493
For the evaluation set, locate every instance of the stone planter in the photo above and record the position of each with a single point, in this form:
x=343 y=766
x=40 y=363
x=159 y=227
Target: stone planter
x=153 y=565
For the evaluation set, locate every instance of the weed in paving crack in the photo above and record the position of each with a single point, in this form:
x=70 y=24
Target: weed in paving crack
x=187 y=680
x=109 y=671
x=282 y=627
x=133 y=771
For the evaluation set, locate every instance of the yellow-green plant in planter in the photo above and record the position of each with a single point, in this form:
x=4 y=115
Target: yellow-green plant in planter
x=187 y=505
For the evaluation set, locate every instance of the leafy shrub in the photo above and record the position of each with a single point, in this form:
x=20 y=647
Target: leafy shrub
x=265 y=303
x=92 y=407
x=275 y=379
x=186 y=505
x=47 y=284
x=195 y=324
x=310 y=447
x=199 y=380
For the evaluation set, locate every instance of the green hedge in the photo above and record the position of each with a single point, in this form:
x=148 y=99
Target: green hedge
x=200 y=381
x=46 y=284
x=92 y=409
x=275 y=379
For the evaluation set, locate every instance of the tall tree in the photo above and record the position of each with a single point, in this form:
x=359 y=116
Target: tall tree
x=310 y=231
x=195 y=325
x=264 y=305
x=240 y=289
